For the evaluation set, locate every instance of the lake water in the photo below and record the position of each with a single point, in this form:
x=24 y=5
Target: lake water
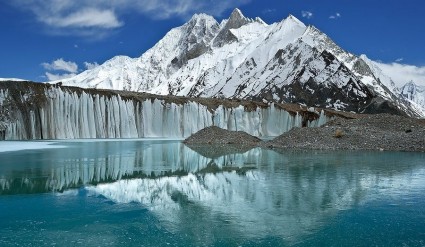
x=163 y=193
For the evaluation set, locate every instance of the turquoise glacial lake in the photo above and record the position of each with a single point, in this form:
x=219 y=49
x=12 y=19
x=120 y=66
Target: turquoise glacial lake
x=163 y=193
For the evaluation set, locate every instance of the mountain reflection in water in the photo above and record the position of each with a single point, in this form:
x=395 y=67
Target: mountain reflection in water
x=253 y=193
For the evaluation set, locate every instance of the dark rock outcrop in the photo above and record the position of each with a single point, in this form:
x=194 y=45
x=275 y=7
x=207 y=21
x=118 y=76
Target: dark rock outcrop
x=215 y=135
x=235 y=21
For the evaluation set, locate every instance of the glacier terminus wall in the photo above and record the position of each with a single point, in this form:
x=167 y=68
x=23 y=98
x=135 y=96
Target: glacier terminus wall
x=41 y=111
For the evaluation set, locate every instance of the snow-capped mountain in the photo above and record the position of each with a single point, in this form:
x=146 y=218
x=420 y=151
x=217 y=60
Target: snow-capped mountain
x=247 y=58
x=414 y=93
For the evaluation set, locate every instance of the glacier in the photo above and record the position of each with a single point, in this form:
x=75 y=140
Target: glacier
x=44 y=111
x=244 y=58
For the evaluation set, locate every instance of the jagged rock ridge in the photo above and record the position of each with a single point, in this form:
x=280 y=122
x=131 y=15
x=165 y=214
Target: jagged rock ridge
x=247 y=58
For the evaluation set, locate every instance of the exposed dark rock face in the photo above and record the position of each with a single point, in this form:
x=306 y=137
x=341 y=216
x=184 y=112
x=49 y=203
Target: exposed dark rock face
x=215 y=135
x=225 y=36
x=332 y=86
x=198 y=34
x=24 y=97
x=361 y=67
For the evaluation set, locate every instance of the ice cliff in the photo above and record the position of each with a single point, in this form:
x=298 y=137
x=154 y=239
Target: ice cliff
x=43 y=111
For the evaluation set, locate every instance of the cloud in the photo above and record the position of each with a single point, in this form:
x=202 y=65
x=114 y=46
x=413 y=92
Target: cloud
x=55 y=77
x=335 y=16
x=97 y=18
x=90 y=65
x=85 y=18
x=61 y=65
x=307 y=14
x=399 y=59
x=403 y=73
x=268 y=11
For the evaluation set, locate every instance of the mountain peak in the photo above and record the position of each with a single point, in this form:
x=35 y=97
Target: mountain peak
x=364 y=57
x=294 y=19
x=199 y=17
x=411 y=83
x=236 y=13
x=246 y=58
x=414 y=93
x=237 y=19
x=259 y=20
x=291 y=23
x=412 y=86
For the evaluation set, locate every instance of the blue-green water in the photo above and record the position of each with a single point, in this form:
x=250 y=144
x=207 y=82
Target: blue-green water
x=162 y=193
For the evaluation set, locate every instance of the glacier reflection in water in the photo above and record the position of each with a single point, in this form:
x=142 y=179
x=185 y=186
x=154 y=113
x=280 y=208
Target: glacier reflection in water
x=288 y=195
x=222 y=197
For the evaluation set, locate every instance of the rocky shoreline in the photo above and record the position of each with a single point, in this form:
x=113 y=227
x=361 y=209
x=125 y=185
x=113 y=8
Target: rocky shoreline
x=381 y=132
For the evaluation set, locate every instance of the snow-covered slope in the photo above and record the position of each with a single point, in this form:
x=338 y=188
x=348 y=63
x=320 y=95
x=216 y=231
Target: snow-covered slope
x=11 y=79
x=247 y=58
x=414 y=93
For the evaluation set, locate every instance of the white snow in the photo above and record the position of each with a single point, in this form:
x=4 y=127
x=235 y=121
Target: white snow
x=187 y=63
x=152 y=71
x=12 y=79
x=9 y=146
x=414 y=93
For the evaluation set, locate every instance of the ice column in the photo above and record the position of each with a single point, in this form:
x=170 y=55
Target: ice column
x=69 y=114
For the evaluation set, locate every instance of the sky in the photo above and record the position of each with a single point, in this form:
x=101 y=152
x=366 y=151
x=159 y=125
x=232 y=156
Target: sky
x=43 y=40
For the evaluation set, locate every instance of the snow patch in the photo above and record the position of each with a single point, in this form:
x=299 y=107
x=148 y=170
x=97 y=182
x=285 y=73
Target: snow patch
x=9 y=146
x=12 y=79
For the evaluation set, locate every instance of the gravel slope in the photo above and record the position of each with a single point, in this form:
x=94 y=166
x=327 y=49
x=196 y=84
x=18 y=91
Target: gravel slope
x=368 y=132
